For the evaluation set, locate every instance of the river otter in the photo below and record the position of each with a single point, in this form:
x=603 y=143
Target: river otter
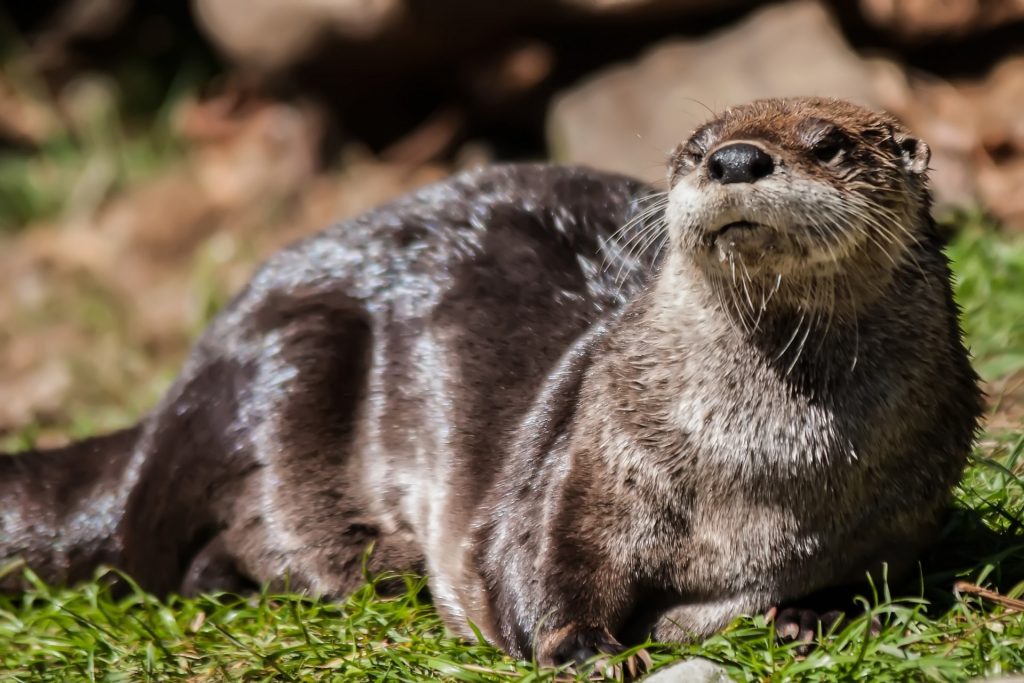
x=588 y=416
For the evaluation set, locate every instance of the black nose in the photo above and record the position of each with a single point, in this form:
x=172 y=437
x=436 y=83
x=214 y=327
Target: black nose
x=739 y=163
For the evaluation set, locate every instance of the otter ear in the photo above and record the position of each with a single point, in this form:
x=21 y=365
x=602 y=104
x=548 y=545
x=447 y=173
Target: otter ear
x=914 y=153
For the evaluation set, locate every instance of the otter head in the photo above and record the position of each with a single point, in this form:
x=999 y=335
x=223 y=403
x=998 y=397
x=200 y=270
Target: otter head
x=792 y=191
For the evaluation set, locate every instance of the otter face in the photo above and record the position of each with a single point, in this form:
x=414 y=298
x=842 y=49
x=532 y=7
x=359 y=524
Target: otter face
x=796 y=186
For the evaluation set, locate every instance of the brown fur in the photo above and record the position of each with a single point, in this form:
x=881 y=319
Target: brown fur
x=582 y=433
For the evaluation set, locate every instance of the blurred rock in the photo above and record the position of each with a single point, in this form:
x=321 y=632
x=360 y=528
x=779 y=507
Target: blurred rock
x=429 y=141
x=635 y=7
x=947 y=120
x=1000 y=187
x=272 y=35
x=1001 y=132
x=246 y=147
x=629 y=117
x=923 y=19
x=33 y=388
x=976 y=133
x=372 y=36
x=509 y=73
x=74 y=19
x=1002 y=111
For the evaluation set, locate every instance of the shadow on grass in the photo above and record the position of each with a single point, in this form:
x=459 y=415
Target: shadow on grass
x=968 y=550
x=971 y=550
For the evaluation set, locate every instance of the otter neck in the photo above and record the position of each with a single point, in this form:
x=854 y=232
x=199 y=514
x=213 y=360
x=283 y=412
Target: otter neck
x=802 y=326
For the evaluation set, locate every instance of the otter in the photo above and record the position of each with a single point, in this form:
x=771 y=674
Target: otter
x=589 y=412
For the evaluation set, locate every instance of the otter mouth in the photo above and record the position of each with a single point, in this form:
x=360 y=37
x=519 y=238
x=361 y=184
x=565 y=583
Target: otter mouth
x=732 y=231
x=756 y=244
x=737 y=225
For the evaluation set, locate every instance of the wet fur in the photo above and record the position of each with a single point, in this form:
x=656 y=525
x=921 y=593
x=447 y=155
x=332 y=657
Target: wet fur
x=581 y=433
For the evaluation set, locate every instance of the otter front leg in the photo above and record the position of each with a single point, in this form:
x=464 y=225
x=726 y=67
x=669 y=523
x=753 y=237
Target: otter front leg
x=584 y=598
x=581 y=604
x=562 y=582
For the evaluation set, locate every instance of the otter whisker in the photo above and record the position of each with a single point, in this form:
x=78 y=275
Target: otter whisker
x=745 y=280
x=661 y=247
x=641 y=223
x=641 y=216
x=840 y=224
x=863 y=226
x=905 y=248
x=725 y=295
x=640 y=245
x=616 y=247
x=792 y=337
x=803 y=342
x=773 y=291
x=658 y=229
x=856 y=326
x=627 y=253
x=625 y=247
x=820 y=229
x=831 y=307
x=765 y=300
x=658 y=199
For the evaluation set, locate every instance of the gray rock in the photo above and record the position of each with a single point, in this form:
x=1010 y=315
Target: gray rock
x=695 y=670
x=273 y=36
x=268 y=34
x=642 y=8
x=629 y=117
x=914 y=20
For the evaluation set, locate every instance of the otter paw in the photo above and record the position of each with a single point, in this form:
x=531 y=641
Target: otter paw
x=588 y=651
x=801 y=625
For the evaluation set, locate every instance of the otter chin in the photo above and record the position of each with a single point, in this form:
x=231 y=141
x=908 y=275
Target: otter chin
x=583 y=434
x=744 y=241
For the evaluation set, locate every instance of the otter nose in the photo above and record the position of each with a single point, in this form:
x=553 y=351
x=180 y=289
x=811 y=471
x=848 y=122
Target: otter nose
x=739 y=162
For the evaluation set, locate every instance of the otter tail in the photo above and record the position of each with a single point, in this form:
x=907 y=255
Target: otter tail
x=60 y=509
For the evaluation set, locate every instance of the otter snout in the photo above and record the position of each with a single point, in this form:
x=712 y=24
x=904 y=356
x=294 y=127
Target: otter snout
x=739 y=162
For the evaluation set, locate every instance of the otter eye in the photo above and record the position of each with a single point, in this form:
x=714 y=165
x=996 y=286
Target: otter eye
x=826 y=151
x=691 y=152
x=829 y=147
x=686 y=158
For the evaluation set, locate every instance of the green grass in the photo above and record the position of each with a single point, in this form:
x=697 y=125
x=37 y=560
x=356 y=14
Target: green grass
x=990 y=288
x=76 y=172
x=929 y=633
x=113 y=131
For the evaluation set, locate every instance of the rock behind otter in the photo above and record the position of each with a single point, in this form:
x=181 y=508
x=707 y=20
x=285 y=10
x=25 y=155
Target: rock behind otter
x=588 y=412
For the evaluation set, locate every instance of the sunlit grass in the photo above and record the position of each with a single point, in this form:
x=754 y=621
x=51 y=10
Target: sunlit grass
x=990 y=288
x=70 y=173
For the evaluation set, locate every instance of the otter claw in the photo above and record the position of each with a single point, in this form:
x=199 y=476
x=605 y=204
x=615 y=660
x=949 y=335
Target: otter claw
x=598 y=668
x=588 y=652
x=799 y=625
x=638 y=664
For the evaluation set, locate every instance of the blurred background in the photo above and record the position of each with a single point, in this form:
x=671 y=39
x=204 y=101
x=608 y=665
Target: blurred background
x=151 y=153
